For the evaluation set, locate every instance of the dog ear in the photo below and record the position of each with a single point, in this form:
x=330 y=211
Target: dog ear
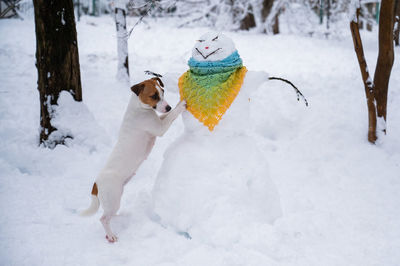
x=159 y=81
x=138 y=88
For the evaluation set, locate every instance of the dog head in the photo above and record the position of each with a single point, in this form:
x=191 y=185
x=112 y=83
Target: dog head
x=213 y=47
x=151 y=94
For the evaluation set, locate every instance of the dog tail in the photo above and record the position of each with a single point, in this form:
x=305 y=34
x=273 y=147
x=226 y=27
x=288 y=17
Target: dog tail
x=94 y=206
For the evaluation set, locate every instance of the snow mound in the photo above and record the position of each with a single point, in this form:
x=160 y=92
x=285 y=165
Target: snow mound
x=73 y=119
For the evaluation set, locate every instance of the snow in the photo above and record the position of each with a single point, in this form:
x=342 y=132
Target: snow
x=62 y=17
x=74 y=119
x=339 y=194
x=119 y=4
x=380 y=128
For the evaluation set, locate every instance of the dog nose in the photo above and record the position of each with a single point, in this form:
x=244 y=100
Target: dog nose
x=168 y=108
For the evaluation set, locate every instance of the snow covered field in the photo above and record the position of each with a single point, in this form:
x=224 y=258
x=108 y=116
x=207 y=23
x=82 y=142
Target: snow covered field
x=339 y=194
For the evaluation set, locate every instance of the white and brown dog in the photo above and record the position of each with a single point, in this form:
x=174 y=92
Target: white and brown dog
x=140 y=127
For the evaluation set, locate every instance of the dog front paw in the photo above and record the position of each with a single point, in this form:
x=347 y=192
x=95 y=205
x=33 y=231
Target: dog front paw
x=182 y=105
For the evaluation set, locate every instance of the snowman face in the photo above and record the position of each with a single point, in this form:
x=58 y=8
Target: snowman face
x=213 y=47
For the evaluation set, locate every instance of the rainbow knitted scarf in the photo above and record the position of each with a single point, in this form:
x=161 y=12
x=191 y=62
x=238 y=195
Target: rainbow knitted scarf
x=209 y=88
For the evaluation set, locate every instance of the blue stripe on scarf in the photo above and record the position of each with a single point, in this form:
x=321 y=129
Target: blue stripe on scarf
x=233 y=61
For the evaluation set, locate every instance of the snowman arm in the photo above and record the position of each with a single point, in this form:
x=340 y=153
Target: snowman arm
x=298 y=92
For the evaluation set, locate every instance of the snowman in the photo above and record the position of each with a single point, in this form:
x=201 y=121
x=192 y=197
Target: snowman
x=214 y=181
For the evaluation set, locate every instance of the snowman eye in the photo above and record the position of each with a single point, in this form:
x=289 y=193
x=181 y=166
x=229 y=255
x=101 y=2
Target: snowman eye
x=200 y=40
x=216 y=38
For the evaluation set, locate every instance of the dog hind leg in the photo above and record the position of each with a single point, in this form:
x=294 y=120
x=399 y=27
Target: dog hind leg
x=105 y=221
x=110 y=203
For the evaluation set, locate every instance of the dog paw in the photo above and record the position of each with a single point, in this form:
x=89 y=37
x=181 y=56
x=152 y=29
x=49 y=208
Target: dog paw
x=111 y=238
x=182 y=105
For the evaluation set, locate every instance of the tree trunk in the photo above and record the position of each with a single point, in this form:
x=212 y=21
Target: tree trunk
x=328 y=14
x=376 y=90
x=275 y=26
x=368 y=86
x=248 y=21
x=122 y=41
x=267 y=7
x=57 y=60
x=385 y=57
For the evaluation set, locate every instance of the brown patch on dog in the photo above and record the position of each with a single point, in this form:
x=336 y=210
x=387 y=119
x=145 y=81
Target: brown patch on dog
x=95 y=191
x=137 y=89
x=147 y=91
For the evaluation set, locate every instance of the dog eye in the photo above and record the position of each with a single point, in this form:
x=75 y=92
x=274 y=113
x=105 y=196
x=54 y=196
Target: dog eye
x=216 y=38
x=200 y=40
x=154 y=96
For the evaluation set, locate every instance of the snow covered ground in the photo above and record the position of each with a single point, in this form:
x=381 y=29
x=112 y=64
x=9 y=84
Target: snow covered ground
x=339 y=194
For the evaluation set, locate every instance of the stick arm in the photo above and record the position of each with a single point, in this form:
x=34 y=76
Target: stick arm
x=298 y=92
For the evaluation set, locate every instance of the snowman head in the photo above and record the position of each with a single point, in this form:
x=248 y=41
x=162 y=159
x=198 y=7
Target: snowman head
x=213 y=47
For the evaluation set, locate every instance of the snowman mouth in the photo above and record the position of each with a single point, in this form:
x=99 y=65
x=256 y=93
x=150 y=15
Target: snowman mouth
x=205 y=57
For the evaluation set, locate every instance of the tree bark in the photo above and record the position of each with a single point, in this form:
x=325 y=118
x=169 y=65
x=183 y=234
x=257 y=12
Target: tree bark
x=57 y=60
x=368 y=85
x=122 y=42
x=248 y=22
x=385 y=57
x=266 y=8
x=275 y=26
x=328 y=14
x=376 y=91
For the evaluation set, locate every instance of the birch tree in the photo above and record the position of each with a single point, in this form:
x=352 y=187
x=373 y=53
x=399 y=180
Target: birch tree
x=122 y=40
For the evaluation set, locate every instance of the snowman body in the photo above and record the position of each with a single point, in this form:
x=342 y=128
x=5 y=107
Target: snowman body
x=214 y=183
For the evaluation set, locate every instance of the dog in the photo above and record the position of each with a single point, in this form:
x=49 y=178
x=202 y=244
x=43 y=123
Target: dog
x=140 y=127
